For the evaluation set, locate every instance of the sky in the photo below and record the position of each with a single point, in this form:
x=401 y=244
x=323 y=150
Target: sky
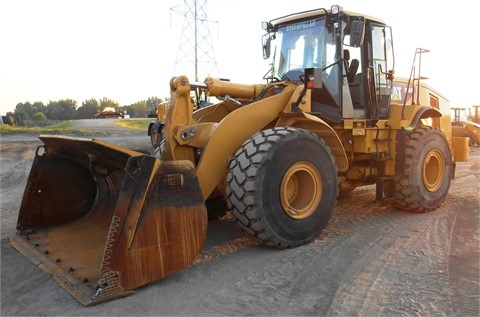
x=126 y=50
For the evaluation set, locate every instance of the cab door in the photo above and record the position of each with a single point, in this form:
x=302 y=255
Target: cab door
x=379 y=71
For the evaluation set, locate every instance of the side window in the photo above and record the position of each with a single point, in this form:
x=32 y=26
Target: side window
x=434 y=101
x=378 y=53
x=353 y=57
x=382 y=52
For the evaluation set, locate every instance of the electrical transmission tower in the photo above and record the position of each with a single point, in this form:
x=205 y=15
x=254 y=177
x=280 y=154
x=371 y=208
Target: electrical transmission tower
x=195 y=55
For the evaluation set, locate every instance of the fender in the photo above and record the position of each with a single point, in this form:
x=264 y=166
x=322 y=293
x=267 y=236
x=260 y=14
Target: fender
x=232 y=131
x=322 y=129
x=422 y=113
x=158 y=126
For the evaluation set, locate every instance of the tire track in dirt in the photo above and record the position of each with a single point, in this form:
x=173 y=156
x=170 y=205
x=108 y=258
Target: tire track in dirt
x=421 y=248
x=18 y=156
x=366 y=258
x=464 y=253
x=391 y=266
x=371 y=256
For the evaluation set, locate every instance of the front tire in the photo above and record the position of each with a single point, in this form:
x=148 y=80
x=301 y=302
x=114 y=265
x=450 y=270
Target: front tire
x=155 y=136
x=282 y=186
x=428 y=171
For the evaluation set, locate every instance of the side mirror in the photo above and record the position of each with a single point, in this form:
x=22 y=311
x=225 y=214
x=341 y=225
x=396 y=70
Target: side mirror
x=266 y=42
x=357 y=32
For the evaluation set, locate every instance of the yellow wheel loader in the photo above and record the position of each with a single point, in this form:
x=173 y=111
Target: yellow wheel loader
x=104 y=220
x=469 y=128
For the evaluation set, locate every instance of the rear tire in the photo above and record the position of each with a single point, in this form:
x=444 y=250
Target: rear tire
x=282 y=186
x=428 y=171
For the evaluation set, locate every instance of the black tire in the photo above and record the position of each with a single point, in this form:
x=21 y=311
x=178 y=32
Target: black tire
x=155 y=136
x=282 y=186
x=428 y=171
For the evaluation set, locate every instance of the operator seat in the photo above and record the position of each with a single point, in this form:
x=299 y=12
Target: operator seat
x=346 y=57
x=352 y=70
x=352 y=67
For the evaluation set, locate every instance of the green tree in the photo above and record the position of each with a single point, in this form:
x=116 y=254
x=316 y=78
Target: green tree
x=152 y=103
x=88 y=109
x=24 y=110
x=30 y=109
x=38 y=106
x=64 y=109
x=106 y=102
x=137 y=110
x=39 y=119
x=21 y=117
x=39 y=116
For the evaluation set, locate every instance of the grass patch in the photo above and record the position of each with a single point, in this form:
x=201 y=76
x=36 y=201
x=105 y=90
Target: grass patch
x=138 y=124
x=65 y=127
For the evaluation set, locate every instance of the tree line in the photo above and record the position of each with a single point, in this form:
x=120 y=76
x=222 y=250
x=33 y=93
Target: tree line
x=27 y=113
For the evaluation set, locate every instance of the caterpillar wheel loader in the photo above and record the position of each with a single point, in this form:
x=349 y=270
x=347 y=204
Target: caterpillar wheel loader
x=104 y=220
x=469 y=128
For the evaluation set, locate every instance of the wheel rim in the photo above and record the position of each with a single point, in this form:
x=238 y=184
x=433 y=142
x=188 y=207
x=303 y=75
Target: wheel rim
x=154 y=136
x=301 y=190
x=433 y=170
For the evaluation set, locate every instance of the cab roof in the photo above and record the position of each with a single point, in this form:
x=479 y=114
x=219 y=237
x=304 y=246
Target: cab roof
x=317 y=12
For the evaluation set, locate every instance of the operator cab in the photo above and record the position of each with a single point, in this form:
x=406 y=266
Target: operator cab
x=353 y=52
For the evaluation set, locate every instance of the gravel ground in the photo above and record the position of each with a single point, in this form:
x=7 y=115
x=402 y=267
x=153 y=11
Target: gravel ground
x=371 y=260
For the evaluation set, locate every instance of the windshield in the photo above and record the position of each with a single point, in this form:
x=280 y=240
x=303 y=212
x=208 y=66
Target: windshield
x=303 y=45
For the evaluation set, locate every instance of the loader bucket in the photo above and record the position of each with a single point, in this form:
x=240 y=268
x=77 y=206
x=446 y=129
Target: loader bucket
x=104 y=220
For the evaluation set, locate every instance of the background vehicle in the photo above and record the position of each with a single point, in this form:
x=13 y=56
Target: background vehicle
x=475 y=116
x=276 y=154
x=155 y=127
x=109 y=112
x=469 y=128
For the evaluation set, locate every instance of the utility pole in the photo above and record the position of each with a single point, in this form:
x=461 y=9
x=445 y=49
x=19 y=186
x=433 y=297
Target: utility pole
x=195 y=55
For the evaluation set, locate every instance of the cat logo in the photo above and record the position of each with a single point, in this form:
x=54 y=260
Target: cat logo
x=396 y=95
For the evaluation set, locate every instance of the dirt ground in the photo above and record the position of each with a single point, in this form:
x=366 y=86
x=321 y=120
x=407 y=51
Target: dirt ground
x=372 y=259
